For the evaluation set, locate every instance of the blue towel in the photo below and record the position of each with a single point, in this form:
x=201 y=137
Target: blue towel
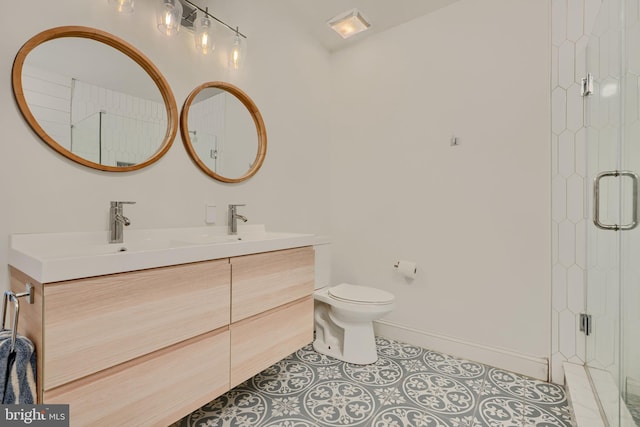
x=17 y=370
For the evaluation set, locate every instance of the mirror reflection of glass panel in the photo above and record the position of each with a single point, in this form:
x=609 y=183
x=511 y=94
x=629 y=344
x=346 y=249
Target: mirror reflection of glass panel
x=125 y=107
x=85 y=138
x=223 y=132
x=94 y=98
x=115 y=140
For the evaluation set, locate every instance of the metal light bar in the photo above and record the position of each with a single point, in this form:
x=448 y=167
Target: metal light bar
x=206 y=12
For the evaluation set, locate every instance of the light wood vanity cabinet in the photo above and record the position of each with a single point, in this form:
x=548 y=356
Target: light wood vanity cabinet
x=145 y=348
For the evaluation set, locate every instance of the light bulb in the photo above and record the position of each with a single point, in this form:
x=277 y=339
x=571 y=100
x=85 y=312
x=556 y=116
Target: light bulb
x=122 y=6
x=235 y=57
x=203 y=36
x=169 y=14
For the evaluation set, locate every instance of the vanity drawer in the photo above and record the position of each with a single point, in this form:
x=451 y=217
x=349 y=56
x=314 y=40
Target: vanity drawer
x=263 y=281
x=154 y=390
x=96 y=323
x=260 y=341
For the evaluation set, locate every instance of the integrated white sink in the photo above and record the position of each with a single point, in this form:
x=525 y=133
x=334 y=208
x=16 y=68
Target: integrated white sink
x=53 y=257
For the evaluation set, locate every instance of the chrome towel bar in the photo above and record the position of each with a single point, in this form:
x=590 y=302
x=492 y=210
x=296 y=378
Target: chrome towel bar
x=9 y=295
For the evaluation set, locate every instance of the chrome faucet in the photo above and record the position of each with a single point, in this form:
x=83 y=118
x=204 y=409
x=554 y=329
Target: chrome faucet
x=116 y=221
x=233 y=217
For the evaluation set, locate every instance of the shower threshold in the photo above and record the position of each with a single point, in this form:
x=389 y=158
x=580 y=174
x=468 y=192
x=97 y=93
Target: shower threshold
x=588 y=410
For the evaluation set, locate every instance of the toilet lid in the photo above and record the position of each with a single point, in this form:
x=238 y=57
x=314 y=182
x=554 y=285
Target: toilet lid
x=360 y=294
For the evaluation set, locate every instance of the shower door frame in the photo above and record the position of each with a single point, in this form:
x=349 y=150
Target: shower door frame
x=612 y=237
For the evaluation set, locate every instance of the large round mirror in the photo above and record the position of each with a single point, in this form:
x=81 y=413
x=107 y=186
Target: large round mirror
x=223 y=132
x=94 y=98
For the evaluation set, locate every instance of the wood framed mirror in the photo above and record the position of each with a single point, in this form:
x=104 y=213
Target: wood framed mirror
x=94 y=98
x=223 y=132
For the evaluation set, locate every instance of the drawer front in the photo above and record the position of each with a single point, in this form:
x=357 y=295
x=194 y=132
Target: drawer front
x=262 y=340
x=261 y=282
x=154 y=390
x=93 y=324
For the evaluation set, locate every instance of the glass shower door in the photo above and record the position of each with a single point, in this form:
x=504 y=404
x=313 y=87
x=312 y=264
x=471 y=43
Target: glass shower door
x=613 y=241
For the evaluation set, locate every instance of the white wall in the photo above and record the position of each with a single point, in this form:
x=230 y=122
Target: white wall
x=285 y=75
x=475 y=217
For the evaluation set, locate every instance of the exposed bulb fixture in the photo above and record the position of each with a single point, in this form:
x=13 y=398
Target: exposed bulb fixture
x=235 y=55
x=203 y=33
x=349 y=23
x=169 y=14
x=172 y=14
x=123 y=6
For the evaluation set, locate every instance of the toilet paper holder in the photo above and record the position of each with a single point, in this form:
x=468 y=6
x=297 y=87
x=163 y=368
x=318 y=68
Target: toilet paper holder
x=406 y=267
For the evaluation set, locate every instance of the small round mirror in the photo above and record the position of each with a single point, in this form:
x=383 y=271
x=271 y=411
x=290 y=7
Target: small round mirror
x=223 y=132
x=94 y=98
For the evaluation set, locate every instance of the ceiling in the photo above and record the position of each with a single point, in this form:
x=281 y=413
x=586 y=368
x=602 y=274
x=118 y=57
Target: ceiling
x=382 y=14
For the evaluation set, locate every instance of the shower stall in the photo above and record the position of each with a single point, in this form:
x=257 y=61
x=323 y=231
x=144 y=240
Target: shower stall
x=612 y=119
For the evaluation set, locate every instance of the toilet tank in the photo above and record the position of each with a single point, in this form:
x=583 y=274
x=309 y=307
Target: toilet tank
x=323 y=265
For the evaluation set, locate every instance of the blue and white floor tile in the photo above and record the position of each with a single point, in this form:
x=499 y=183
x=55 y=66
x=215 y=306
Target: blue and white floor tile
x=407 y=387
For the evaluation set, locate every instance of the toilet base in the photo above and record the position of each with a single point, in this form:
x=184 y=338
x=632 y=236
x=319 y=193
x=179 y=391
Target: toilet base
x=324 y=348
x=347 y=341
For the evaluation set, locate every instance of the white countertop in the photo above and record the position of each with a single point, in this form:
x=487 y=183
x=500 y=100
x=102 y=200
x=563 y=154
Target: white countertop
x=54 y=257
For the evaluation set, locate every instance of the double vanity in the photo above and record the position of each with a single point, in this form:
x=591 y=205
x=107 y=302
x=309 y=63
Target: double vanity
x=146 y=331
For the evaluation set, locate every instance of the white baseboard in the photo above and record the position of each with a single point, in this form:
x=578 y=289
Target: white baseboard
x=536 y=367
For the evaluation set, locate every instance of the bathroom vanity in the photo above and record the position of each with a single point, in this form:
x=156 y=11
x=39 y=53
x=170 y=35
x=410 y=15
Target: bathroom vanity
x=150 y=341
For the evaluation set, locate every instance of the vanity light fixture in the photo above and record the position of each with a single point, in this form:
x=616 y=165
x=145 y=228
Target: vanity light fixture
x=199 y=20
x=349 y=23
x=169 y=14
x=123 y=6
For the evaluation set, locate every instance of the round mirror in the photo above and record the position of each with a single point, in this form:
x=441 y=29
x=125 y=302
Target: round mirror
x=94 y=98
x=223 y=132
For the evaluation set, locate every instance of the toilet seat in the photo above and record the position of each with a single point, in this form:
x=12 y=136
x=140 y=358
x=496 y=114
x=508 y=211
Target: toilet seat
x=356 y=294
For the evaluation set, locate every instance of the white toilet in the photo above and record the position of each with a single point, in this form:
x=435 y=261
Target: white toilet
x=344 y=315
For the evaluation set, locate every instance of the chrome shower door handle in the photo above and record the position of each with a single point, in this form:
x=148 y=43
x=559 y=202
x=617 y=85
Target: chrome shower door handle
x=596 y=201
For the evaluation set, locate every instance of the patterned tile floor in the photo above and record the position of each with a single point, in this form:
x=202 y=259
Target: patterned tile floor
x=408 y=387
